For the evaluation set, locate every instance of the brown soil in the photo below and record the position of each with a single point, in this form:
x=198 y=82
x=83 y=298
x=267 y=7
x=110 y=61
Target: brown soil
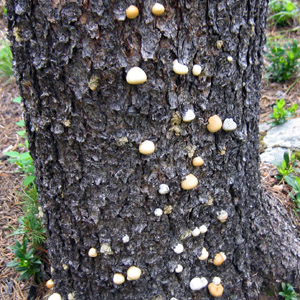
x=11 y=182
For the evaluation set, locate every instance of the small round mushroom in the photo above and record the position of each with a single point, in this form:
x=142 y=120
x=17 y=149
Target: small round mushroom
x=216 y=280
x=178 y=249
x=204 y=254
x=118 y=278
x=196 y=231
x=198 y=161
x=134 y=273
x=188 y=116
x=147 y=147
x=158 y=212
x=196 y=284
x=136 y=76
x=197 y=69
x=203 y=229
x=229 y=125
x=132 y=12
x=55 y=296
x=189 y=182
x=92 y=252
x=222 y=216
x=214 y=123
x=158 y=9
x=230 y=58
x=219 y=258
x=50 y=284
x=179 y=268
x=216 y=290
x=125 y=239
x=163 y=189
x=179 y=68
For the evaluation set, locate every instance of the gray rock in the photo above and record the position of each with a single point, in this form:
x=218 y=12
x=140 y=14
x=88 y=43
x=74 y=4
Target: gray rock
x=280 y=139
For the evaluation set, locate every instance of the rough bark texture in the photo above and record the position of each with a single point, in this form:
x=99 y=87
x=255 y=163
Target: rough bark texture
x=85 y=124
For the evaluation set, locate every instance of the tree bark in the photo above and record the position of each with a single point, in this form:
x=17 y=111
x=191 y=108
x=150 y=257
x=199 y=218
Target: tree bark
x=85 y=124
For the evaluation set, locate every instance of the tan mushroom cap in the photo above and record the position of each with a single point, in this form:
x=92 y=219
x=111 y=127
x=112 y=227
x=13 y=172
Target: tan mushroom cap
x=214 y=123
x=134 y=273
x=215 y=290
x=198 y=161
x=158 y=9
x=147 y=147
x=219 y=259
x=132 y=12
x=189 y=182
x=118 y=278
x=50 y=284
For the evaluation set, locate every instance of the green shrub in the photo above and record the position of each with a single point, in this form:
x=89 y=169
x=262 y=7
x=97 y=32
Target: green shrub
x=283 y=12
x=288 y=292
x=283 y=60
x=30 y=227
x=280 y=114
x=5 y=60
x=25 y=262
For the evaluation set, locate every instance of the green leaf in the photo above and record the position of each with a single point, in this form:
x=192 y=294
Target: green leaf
x=12 y=264
x=21 y=123
x=17 y=100
x=28 y=180
x=12 y=154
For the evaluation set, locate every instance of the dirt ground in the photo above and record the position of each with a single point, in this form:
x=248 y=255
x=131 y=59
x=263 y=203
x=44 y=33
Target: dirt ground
x=11 y=183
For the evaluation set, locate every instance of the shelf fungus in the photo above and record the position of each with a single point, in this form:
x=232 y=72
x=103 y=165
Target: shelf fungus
x=158 y=9
x=132 y=12
x=219 y=258
x=188 y=116
x=179 y=68
x=147 y=147
x=204 y=254
x=222 y=216
x=214 y=123
x=134 y=273
x=196 y=284
x=118 y=278
x=55 y=296
x=215 y=288
x=197 y=69
x=50 y=284
x=136 y=76
x=92 y=252
x=229 y=125
x=189 y=182
x=198 y=161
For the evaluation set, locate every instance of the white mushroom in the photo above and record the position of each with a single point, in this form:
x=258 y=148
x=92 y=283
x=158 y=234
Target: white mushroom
x=179 y=68
x=178 y=249
x=179 y=268
x=197 y=283
x=158 y=212
x=188 y=116
x=229 y=125
x=163 y=189
x=136 y=76
x=134 y=273
x=197 y=69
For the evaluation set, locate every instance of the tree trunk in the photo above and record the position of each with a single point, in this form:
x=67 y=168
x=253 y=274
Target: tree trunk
x=85 y=124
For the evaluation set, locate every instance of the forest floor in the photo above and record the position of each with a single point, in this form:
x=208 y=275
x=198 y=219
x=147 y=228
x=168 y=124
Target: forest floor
x=11 y=182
